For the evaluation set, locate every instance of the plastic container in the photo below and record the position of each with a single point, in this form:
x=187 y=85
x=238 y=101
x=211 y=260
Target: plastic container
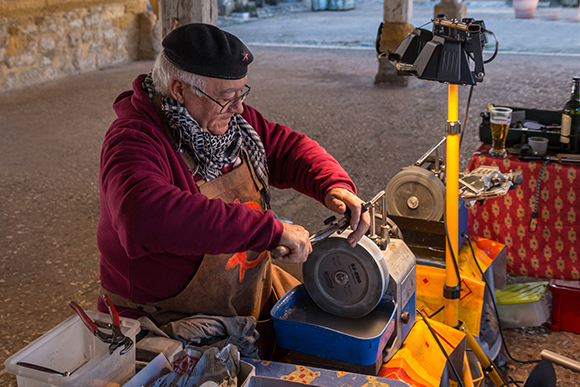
x=539 y=145
x=565 y=306
x=303 y=327
x=161 y=366
x=70 y=345
x=523 y=304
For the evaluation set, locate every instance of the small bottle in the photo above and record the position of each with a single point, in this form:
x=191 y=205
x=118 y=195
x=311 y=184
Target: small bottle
x=569 y=142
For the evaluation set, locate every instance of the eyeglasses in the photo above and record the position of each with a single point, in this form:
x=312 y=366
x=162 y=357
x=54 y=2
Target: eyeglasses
x=232 y=102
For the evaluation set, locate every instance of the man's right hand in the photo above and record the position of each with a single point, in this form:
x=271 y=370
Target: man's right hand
x=296 y=238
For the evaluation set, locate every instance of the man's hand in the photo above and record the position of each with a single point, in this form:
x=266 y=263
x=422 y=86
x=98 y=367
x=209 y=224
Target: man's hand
x=296 y=238
x=337 y=200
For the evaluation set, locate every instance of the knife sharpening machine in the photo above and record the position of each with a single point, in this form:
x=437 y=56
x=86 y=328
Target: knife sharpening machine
x=416 y=203
x=357 y=305
x=416 y=200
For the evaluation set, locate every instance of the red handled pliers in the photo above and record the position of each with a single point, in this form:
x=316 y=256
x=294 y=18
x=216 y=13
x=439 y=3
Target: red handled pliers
x=116 y=338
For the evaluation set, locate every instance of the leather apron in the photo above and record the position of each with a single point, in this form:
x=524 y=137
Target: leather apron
x=240 y=284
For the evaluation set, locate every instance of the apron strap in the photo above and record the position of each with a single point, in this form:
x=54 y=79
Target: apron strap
x=118 y=300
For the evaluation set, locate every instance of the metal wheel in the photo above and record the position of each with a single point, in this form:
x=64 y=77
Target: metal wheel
x=416 y=193
x=346 y=281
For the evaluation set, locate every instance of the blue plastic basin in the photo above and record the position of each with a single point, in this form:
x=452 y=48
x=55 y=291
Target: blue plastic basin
x=302 y=326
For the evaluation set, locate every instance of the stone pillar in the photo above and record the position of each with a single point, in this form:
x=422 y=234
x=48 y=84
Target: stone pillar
x=454 y=9
x=174 y=13
x=149 y=36
x=397 y=15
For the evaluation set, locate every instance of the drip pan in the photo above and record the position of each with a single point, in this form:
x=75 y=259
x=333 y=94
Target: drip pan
x=303 y=326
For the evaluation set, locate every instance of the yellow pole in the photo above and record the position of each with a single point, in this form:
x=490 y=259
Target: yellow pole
x=467 y=377
x=451 y=291
x=453 y=103
x=487 y=365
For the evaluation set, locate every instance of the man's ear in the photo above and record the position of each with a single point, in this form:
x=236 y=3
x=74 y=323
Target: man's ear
x=176 y=89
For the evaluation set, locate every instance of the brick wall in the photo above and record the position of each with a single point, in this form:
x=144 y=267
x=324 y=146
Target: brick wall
x=42 y=40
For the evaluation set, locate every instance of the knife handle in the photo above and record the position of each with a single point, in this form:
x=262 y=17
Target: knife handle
x=279 y=251
x=568 y=156
x=531 y=157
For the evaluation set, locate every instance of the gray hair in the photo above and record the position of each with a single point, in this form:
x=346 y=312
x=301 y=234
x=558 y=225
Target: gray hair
x=163 y=72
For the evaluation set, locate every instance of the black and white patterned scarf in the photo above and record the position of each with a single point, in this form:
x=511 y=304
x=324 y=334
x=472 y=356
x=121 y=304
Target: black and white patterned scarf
x=211 y=152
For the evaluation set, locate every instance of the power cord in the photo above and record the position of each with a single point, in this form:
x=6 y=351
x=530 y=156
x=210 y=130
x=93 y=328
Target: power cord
x=511 y=381
x=465 y=116
x=459 y=381
x=453 y=256
x=495 y=309
x=454 y=265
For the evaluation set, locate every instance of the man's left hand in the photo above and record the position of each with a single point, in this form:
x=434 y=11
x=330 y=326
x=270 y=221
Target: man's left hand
x=338 y=200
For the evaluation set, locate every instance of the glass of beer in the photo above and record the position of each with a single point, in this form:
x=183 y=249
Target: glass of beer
x=500 y=119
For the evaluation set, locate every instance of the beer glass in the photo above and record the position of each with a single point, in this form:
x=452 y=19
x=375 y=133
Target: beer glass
x=500 y=119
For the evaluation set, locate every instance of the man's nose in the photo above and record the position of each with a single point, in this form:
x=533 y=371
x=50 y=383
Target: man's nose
x=237 y=107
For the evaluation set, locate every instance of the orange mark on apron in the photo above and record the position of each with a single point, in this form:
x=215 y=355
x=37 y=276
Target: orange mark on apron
x=240 y=259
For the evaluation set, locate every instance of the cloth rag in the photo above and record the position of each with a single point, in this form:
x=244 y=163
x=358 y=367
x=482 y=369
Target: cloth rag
x=210 y=331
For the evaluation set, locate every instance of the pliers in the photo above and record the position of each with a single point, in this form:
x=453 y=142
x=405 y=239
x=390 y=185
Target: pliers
x=116 y=338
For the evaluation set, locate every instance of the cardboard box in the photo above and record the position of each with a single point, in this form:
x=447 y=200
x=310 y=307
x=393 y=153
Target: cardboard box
x=70 y=345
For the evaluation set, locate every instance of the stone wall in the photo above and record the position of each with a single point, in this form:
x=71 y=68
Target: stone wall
x=42 y=40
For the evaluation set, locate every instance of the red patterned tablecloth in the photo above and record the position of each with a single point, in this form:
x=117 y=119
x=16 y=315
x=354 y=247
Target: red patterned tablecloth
x=552 y=250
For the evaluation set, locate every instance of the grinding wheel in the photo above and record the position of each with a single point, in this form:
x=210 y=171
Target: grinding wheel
x=416 y=193
x=346 y=281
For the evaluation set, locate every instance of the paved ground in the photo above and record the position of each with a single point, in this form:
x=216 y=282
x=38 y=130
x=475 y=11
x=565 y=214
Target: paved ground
x=358 y=27
x=51 y=134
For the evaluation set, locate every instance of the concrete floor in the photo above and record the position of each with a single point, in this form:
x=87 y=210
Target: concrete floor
x=51 y=135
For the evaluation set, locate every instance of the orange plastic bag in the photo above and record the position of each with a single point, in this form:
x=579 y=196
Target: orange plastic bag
x=431 y=280
x=420 y=361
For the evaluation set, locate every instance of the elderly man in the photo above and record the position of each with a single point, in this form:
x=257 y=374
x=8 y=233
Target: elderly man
x=185 y=225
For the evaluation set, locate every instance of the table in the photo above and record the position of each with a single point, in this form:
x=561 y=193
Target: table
x=318 y=376
x=547 y=247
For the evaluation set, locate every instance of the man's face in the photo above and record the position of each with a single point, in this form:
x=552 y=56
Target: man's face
x=206 y=112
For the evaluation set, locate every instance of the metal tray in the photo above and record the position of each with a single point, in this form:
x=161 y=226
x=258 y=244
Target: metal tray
x=550 y=119
x=302 y=326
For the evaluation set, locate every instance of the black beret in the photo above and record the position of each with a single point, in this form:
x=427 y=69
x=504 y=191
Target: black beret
x=205 y=49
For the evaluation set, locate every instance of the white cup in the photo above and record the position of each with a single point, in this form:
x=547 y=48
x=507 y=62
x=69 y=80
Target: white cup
x=539 y=145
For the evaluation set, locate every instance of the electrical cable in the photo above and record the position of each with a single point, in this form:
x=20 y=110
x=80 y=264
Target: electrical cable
x=493 y=301
x=465 y=116
x=437 y=312
x=459 y=381
x=515 y=382
x=495 y=308
x=452 y=255
x=496 y=46
x=454 y=264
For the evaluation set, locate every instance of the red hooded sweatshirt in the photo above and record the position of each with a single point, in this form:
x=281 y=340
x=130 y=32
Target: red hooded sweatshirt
x=155 y=226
